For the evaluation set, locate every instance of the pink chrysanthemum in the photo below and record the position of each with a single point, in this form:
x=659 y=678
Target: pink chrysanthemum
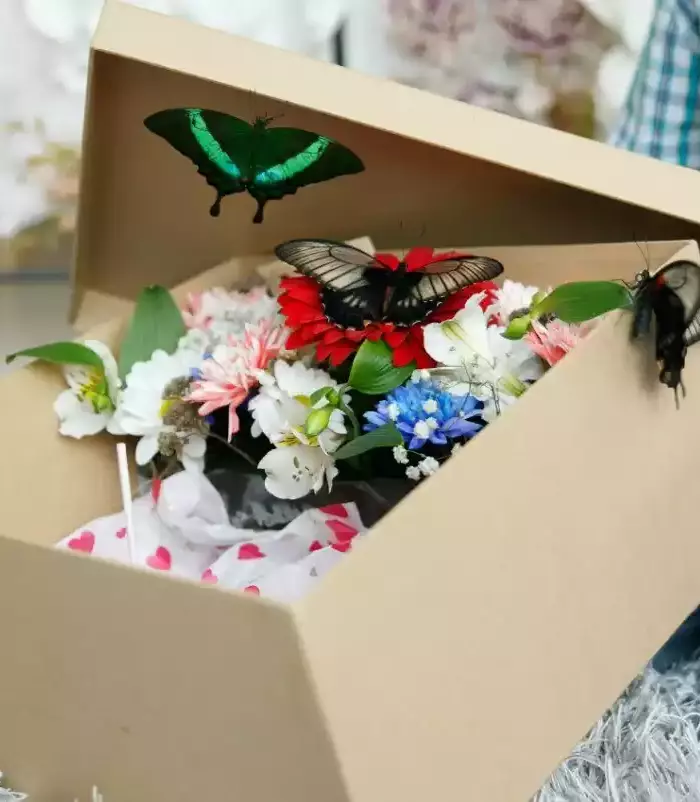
x=227 y=377
x=552 y=341
x=218 y=308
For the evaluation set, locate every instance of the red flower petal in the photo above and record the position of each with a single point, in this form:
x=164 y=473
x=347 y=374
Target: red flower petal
x=305 y=335
x=388 y=260
x=404 y=354
x=333 y=334
x=355 y=335
x=423 y=359
x=418 y=258
x=340 y=354
x=297 y=312
x=302 y=289
x=323 y=351
x=373 y=333
x=395 y=338
x=456 y=302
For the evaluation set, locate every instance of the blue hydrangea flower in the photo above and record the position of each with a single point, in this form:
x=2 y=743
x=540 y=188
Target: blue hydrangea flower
x=423 y=411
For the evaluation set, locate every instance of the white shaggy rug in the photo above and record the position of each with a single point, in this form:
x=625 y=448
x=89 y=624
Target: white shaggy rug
x=645 y=749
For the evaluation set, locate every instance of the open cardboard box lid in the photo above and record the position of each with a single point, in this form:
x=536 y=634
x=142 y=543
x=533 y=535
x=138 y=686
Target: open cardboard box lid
x=437 y=171
x=459 y=652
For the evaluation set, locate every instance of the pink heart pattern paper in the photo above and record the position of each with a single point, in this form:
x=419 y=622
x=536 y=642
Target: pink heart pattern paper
x=184 y=530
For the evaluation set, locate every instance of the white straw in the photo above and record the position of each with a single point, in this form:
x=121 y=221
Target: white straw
x=125 y=486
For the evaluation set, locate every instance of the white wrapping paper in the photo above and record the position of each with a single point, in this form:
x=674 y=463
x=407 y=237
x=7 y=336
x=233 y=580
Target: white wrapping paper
x=187 y=533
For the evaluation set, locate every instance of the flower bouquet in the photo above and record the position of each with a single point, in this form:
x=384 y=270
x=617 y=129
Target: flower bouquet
x=271 y=428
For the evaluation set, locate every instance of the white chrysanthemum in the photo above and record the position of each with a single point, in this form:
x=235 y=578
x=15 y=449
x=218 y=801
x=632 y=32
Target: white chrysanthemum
x=143 y=407
x=512 y=297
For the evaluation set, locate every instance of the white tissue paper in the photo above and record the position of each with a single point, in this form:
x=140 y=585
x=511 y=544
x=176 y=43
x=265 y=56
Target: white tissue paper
x=186 y=532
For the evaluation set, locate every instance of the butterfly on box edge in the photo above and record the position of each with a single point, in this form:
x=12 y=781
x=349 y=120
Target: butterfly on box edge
x=356 y=288
x=671 y=297
x=234 y=156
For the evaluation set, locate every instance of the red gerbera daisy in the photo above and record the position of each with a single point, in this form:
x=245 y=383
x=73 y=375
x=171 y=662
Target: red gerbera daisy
x=300 y=303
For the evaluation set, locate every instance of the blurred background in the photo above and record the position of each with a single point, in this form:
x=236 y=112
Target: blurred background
x=562 y=63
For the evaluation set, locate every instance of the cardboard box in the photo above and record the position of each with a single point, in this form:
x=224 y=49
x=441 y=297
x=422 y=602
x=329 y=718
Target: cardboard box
x=463 y=649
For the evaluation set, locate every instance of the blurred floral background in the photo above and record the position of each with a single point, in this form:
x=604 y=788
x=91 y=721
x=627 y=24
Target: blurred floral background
x=564 y=63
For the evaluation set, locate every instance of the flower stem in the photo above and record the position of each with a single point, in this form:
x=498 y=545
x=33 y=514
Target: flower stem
x=233 y=448
x=351 y=417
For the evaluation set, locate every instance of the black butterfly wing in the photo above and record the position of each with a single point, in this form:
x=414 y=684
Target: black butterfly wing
x=692 y=332
x=219 y=144
x=286 y=159
x=352 y=292
x=415 y=299
x=643 y=306
x=675 y=299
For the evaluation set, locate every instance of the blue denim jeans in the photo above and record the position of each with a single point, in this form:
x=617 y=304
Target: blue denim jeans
x=681 y=646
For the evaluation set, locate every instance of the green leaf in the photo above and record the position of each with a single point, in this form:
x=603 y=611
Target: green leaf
x=62 y=353
x=517 y=328
x=579 y=301
x=383 y=437
x=156 y=324
x=373 y=371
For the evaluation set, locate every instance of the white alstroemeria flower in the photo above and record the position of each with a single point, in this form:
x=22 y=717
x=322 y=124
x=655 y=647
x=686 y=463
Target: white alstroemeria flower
x=88 y=405
x=151 y=408
x=294 y=471
x=482 y=361
x=305 y=435
x=512 y=298
x=282 y=407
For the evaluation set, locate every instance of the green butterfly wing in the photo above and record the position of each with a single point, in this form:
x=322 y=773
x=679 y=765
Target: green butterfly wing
x=219 y=144
x=286 y=159
x=234 y=156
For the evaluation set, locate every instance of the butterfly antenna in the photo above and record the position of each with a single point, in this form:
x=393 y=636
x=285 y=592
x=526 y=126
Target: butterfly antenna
x=645 y=255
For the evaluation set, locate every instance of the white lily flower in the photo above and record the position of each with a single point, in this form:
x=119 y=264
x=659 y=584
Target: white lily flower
x=87 y=407
x=482 y=361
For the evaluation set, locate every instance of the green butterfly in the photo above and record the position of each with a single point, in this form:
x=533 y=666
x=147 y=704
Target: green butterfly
x=234 y=156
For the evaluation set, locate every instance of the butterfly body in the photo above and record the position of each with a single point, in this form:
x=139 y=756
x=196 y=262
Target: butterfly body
x=358 y=289
x=234 y=156
x=671 y=297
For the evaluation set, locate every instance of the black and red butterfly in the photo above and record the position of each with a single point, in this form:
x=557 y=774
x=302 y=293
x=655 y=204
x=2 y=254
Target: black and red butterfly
x=671 y=297
x=358 y=288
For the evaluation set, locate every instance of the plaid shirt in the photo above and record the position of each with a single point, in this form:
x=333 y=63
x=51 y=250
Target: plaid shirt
x=661 y=117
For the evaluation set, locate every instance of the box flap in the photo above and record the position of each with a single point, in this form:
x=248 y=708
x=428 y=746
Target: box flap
x=437 y=170
x=500 y=639
x=157 y=689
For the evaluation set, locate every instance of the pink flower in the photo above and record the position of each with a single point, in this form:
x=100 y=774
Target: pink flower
x=227 y=377
x=224 y=309
x=552 y=341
